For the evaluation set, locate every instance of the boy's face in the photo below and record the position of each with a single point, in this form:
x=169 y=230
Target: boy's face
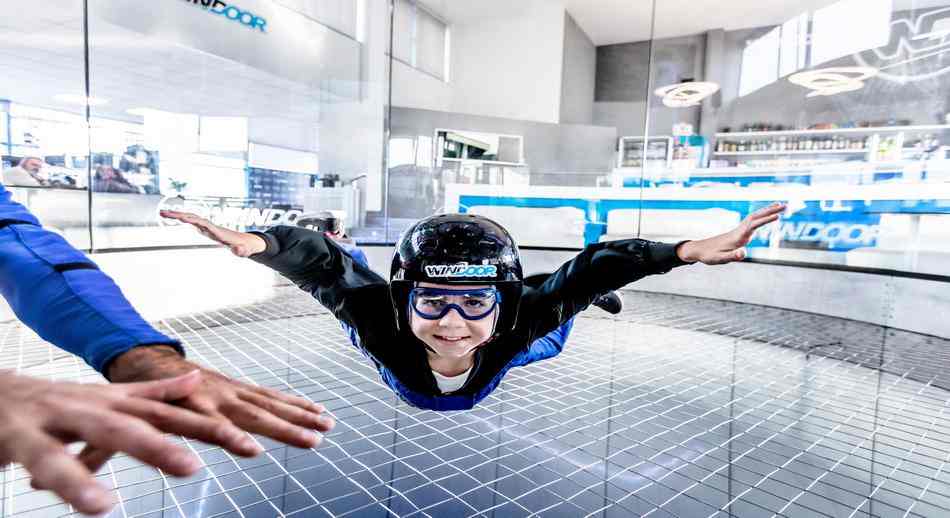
x=453 y=336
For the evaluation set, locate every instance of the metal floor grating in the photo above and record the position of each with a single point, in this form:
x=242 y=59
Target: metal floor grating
x=679 y=407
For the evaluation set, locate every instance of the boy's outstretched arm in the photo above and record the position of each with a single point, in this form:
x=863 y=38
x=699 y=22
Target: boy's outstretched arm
x=309 y=259
x=729 y=247
x=602 y=267
x=242 y=244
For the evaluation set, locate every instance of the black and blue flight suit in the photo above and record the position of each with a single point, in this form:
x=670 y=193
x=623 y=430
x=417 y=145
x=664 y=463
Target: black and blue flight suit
x=360 y=299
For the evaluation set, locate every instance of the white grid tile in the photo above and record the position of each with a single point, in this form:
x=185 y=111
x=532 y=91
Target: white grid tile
x=679 y=407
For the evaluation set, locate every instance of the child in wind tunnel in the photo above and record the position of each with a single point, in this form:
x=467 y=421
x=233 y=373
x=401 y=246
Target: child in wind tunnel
x=457 y=312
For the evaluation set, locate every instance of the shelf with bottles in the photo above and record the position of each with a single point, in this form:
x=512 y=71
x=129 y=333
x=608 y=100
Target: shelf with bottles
x=763 y=130
x=879 y=140
x=787 y=145
x=872 y=148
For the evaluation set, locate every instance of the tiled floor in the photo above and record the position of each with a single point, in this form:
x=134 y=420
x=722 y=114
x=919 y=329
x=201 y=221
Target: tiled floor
x=679 y=407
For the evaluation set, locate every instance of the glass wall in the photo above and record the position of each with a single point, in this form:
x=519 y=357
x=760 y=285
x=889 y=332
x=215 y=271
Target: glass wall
x=837 y=107
x=251 y=113
x=43 y=127
x=571 y=123
x=576 y=124
x=519 y=128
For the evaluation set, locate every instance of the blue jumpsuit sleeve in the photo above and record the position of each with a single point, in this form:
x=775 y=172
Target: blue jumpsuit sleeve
x=62 y=295
x=359 y=256
x=548 y=346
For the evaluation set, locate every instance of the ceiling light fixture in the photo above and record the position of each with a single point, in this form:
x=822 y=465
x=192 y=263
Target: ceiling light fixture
x=686 y=94
x=80 y=99
x=835 y=80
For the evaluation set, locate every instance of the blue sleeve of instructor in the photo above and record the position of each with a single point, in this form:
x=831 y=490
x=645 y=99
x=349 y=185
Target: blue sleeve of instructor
x=62 y=295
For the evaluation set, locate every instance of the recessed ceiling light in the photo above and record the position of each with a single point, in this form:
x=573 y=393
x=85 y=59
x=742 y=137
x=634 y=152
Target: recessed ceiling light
x=686 y=94
x=80 y=99
x=834 y=80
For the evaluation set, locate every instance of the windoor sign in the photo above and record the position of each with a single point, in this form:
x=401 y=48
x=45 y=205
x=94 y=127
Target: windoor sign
x=232 y=12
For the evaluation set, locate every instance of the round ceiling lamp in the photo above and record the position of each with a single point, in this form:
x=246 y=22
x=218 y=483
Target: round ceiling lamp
x=832 y=81
x=686 y=94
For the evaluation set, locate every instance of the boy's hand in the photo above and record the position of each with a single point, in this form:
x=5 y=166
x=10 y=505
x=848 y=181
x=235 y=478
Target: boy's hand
x=729 y=247
x=242 y=244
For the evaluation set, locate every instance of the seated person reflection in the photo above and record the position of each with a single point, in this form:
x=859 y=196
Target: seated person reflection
x=27 y=173
x=457 y=313
x=109 y=179
x=332 y=226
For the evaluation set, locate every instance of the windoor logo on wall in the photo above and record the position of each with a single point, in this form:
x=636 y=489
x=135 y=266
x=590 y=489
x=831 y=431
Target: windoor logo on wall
x=232 y=12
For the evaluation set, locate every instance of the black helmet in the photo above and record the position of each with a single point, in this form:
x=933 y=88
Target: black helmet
x=457 y=249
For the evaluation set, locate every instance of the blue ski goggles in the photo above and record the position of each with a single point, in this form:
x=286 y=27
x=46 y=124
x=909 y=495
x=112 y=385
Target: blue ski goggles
x=435 y=303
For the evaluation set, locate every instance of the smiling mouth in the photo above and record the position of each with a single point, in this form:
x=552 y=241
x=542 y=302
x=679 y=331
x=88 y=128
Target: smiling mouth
x=451 y=338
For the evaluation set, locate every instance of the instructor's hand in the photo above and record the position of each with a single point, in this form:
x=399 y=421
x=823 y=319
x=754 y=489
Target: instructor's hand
x=257 y=410
x=38 y=418
x=242 y=244
x=729 y=247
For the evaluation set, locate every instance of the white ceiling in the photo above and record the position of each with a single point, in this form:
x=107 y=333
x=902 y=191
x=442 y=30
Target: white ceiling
x=42 y=56
x=619 y=21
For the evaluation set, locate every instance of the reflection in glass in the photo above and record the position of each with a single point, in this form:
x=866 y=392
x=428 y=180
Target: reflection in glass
x=835 y=109
x=248 y=125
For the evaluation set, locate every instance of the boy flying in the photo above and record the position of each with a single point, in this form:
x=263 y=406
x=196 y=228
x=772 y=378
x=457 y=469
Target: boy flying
x=457 y=312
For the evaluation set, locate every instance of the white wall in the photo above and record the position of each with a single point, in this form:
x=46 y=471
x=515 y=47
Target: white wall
x=294 y=46
x=283 y=132
x=510 y=66
x=579 y=74
x=338 y=14
x=415 y=89
x=629 y=118
x=351 y=131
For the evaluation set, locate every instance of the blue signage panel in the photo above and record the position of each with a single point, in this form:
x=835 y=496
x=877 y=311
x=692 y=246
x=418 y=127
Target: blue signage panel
x=828 y=225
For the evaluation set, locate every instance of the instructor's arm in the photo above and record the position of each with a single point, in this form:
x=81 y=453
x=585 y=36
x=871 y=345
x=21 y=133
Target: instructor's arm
x=62 y=295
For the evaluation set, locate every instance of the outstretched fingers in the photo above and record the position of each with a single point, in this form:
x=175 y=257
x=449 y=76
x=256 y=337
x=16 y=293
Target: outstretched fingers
x=184 y=217
x=241 y=244
x=289 y=412
x=728 y=256
x=110 y=430
x=90 y=456
x=774 y=209
x=306 y=404
x=185 y=422
x=48 y=462
x=258 y=420
x=205 y=227
x=760 y=222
